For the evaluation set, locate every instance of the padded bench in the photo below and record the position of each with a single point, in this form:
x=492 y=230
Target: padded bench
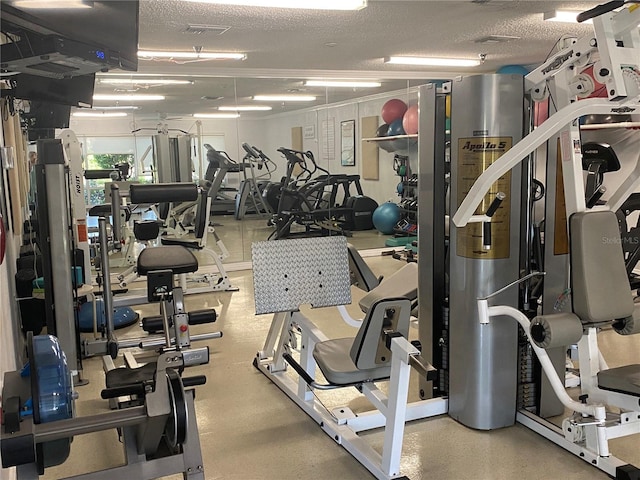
x=624 y=379
x=176 y=258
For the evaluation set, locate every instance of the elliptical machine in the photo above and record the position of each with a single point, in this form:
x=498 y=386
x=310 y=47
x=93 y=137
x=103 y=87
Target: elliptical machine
x=315 y=202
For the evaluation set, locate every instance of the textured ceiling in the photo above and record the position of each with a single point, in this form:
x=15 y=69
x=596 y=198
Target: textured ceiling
x=285 y=46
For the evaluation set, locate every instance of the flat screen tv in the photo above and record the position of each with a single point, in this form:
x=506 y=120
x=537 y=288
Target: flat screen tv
x=51 y=55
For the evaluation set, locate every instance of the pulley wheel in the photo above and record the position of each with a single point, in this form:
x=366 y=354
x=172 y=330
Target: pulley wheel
x=176 y=429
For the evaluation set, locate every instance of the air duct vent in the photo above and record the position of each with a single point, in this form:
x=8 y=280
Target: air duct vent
x=208 y=29
x=496 y=39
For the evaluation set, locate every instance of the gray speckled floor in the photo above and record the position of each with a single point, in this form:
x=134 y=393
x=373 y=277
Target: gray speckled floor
x=250 y=430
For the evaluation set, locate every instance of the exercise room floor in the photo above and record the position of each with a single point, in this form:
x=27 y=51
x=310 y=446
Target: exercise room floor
x=249 y=430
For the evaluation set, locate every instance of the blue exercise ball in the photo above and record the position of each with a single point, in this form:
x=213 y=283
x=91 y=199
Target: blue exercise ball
x=513 y=70
x=396 y=128
x=385 y=217
x=122 y=316
x=400 y=188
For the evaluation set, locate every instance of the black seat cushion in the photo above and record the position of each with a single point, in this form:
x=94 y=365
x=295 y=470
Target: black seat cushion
x=193 y=244
x=175 y=258
x=625 y=379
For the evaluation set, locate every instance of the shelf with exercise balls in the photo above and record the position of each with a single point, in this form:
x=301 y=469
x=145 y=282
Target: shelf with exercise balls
x=399 y=134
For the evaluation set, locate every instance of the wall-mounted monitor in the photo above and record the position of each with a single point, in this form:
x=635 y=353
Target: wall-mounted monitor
x=66 y=43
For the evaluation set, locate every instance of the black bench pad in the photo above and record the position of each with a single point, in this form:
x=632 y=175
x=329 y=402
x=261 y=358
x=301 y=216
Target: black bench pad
x=175 y=258
x=624 y=379
x=192 y=244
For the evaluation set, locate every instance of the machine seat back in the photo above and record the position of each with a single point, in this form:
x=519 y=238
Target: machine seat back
x=599 y=283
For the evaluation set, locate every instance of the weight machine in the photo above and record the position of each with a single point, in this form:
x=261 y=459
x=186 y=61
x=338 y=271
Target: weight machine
x=485 y=381
x=157 y=421
x=582 y=238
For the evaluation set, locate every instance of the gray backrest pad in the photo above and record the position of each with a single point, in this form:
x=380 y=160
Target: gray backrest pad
x=403 y=283
x=599 y=284
x=361 y=275
x=369 y=350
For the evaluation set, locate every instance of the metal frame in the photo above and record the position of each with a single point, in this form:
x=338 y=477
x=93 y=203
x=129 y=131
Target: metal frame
x=292 y=266
x=586 y=434
x=142 y=427
x=391 y=411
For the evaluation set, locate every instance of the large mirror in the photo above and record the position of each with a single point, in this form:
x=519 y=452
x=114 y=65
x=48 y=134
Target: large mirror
x=339 y=129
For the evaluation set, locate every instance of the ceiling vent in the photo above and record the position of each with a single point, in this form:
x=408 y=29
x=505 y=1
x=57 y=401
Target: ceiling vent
x=496 y=39
x=208 y=29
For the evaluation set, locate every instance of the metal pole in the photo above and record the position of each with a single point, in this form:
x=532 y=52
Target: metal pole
x=46 y=432
x=107 y=298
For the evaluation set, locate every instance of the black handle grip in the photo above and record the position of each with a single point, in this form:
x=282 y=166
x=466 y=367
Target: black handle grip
x=250 y=150
x=130 y=389
x=599 y=10
x=198 y=317
x=298 y=368
x=500 y=196
x=486 y=234
x=195 y=380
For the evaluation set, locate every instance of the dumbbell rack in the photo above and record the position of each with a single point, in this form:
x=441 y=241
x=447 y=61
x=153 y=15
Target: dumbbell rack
x=406 y=230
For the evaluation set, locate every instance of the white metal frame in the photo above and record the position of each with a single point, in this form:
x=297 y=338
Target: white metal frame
x=391 y=411
x=558 y=73
x=586 y=434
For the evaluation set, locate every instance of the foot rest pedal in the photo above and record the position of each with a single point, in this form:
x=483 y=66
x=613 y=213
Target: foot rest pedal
x=128 y=381
x=155 y=324
x=198 y=317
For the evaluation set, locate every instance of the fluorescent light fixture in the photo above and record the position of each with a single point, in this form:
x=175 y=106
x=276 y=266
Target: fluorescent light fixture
x=567 y=16
x=284 y=98
x=99 y=114
x=192 y=55
x=144 y=81
x=342 y=83
x=433 y=61
x=52 y=4
x=308 y=4
x=244 y=108
x=116 y=107
x=127 y=97
x=216 y=115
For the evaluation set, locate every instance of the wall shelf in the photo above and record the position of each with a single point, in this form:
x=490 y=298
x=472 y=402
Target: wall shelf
x=394 y=143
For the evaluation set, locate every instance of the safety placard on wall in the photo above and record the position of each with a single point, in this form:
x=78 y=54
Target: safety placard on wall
x=475 y=155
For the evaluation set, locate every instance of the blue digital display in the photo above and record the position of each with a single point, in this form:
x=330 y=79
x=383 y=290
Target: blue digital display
x=100 y=54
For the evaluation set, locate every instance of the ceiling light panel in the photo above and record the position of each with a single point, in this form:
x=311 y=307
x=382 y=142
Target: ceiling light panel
x=119 y=107
x=342 y=83
x=143 y=54
x=432 y=61
x=130 y=98
x=208 y=29
x=50 y=4
x=306 y=4
x=566 y=16
x=244 y=108
x=99 y=114
x=284 y=98
x=144 y=81
x=216 y=115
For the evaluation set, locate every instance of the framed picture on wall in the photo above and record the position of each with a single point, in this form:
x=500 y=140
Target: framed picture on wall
x=348 y=143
